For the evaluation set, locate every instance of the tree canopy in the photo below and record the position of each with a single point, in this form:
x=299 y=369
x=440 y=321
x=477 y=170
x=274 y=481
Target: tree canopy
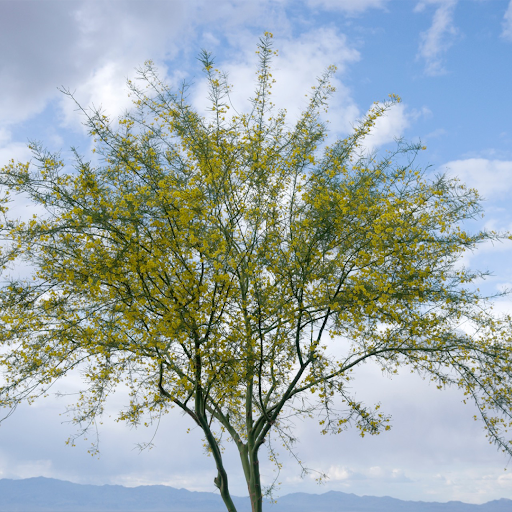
x=210 y=263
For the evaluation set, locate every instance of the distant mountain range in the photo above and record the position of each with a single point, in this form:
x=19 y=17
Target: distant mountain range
x=50 y=495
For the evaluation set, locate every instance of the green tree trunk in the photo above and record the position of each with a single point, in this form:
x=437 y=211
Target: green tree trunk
x=255 y=483
x=221 y=480
x=251 y=467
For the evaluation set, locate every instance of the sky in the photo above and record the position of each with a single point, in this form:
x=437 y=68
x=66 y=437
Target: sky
x=451 y=63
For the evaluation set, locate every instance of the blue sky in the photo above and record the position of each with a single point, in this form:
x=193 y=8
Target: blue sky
x=449 y=60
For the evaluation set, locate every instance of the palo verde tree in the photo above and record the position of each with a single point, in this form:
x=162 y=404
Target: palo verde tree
x=211 y=264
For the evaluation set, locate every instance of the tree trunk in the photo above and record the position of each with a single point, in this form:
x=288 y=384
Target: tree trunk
x=255 y=483
x=221 y=480
x=251 y=467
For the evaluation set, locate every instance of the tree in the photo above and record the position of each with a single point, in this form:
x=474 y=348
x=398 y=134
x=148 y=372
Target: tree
x=210 y=264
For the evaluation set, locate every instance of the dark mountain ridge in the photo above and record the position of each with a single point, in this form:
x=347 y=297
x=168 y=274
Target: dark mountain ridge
x=51 y=495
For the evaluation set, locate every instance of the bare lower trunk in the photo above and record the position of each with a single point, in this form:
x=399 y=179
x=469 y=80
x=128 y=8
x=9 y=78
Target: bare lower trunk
x=221 y=480
x=255 y=484
x=251 y=466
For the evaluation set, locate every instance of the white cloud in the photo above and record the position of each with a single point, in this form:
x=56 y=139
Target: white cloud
x=5 y=136
x=105 y=88
x=388 y=127
x=10 y=150
x=75 y=44
x=348 y=6
x=492 y=178
x=21 y=207
x=387 y=474
x=341 y=473
x=439 y=37
x=505 y=480
x=507 y=23
x=503 y=306
x=392 y=125
x=374 y=473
